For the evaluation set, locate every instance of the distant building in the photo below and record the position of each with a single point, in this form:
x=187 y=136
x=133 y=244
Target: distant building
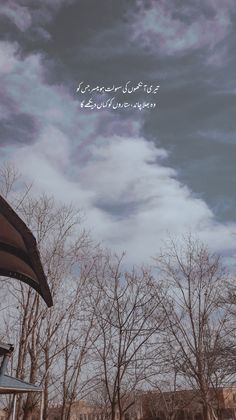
x=154 y=405
x=179 y=405
x=186 y=405
x=82 y=410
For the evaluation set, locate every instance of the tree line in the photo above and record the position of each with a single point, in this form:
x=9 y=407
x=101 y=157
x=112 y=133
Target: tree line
x=115 y=331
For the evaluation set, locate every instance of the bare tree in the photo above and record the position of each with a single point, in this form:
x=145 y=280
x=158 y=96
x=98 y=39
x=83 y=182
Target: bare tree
x=113 y=331
x=198 y=322
x=64 y=246
x=80 y=334
x=8 y=178
x=125 y=313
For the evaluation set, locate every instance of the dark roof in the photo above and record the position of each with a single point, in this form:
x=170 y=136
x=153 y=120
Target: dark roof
x=5 y=348
x=19 y=255
x=9 y=385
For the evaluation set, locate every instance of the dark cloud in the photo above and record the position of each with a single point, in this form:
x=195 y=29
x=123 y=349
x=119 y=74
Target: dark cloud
x=19 y=129
x=82 y=40
x=121 y=209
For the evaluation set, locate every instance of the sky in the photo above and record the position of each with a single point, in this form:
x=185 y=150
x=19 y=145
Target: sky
x=138 y=175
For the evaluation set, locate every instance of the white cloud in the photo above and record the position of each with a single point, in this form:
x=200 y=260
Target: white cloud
x=127 y=174
x=8 y=60
x=25 y=16
x=20 y=15
x=131 y=199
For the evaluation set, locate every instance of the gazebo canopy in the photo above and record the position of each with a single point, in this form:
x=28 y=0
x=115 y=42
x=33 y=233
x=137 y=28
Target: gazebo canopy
x=9 y=385
x=19 y=256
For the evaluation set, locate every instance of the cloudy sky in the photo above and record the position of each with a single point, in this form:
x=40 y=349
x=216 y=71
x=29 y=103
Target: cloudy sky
x=137 y=175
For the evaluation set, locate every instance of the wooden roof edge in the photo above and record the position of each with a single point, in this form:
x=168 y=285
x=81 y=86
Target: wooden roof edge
x=31 y=246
